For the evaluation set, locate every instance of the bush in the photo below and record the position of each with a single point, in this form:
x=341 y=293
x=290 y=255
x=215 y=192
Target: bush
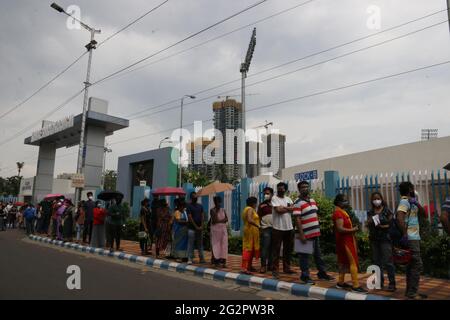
x=131 y=230
x=235 y=245
x=435 y=252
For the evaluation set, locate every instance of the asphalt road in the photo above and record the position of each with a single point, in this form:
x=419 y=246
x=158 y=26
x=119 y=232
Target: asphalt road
x=29 y=270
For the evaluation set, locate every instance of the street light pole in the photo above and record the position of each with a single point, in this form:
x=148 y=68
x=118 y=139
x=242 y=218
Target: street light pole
x=181 y=147
x=90 y=47
x=448 y=13
x=160 y=143
x=105 y=151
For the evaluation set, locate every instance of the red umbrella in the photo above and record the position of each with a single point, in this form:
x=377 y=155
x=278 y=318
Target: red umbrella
x=169 y=191
x=53 y=196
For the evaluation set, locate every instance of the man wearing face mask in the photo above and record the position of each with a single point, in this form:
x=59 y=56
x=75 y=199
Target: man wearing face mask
x=408 y=213
x=89 y=206
x=282 y=232
x=116 y=220
x=265 y=214
x=195 y=233
x=307 y=222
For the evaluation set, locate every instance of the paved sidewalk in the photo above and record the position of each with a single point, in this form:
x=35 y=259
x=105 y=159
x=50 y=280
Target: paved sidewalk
x=437 y=289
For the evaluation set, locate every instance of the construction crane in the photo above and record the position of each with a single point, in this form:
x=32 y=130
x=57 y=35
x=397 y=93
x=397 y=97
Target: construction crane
x=236 y=95
x=265 y=126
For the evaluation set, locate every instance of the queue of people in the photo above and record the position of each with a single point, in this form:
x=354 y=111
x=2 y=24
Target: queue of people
x=276 y=227
x=91 y=222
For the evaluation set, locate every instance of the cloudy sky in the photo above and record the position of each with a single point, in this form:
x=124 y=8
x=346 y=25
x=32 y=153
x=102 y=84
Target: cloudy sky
x=35 y=45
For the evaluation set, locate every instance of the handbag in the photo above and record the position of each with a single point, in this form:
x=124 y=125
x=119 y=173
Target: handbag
x=401 y=256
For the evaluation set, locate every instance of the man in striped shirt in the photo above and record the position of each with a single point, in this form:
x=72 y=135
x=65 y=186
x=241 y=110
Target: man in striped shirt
x=308 y=228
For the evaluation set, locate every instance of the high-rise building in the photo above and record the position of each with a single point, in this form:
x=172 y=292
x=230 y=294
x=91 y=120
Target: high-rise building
x=197 y=162
x=276 y=149
x=228 y=115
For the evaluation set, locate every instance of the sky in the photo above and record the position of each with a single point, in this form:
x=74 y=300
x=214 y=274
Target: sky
x=36 y=44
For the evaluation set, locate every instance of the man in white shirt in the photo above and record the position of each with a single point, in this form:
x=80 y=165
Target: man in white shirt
x=283 y=230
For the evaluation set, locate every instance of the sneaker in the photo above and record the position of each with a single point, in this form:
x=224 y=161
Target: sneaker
x=189 y=262
x=275 y=275
x=359 y=290
x=344 y=286
x=307 y=280
x=324 y=276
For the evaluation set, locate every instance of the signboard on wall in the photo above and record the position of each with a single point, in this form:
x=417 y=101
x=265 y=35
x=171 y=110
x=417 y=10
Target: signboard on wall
x=78 y=180
x=52 y=128
x=307 y=175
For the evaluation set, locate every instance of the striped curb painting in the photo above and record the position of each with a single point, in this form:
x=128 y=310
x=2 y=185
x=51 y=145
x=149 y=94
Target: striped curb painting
x=294 y=289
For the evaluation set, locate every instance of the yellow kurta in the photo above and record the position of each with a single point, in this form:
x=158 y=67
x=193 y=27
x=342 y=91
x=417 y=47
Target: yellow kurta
x=250 y=240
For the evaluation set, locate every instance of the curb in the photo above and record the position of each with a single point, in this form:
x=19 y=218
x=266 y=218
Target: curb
x=294 y=289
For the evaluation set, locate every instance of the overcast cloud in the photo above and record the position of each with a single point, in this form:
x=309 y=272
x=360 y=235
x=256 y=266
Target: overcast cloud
x=35 y=45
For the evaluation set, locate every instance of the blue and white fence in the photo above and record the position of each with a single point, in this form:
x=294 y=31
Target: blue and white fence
x=431 y=186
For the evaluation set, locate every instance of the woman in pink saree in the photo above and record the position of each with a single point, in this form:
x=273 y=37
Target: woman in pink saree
x=219 y=233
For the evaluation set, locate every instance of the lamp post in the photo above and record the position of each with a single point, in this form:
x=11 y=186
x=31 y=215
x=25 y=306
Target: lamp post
x=90 y=47
x=105 y=151
x=165 y=139
x=181 y=128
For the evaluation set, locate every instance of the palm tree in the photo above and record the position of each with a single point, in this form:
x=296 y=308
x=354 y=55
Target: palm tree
x=19 y=167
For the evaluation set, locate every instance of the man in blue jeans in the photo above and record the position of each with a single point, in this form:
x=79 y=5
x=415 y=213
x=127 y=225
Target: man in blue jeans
x=308 y=229
x=195 y=233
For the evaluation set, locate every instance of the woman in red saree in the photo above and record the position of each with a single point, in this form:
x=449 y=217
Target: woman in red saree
x=346 y=248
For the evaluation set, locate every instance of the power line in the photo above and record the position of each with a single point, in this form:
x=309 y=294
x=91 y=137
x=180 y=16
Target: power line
x=42 y=87
x=318 y=93
x=132 y=22
x=287 y=63
x=178 y=42
x=17 y=134
x=303 y=97
x=296 y=70
x=67 y=68
x=211 y=40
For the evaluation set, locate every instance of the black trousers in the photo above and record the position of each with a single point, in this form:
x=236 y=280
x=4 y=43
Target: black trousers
x=287 y=238
x=87 y=231
x=114 y=235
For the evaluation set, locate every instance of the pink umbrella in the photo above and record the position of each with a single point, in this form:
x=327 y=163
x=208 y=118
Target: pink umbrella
x=169 y=191
x=53 y=196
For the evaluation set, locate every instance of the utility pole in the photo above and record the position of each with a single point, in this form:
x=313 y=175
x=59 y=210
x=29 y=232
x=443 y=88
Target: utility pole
x=245 y=66
x=90 y=47
x=448 y=13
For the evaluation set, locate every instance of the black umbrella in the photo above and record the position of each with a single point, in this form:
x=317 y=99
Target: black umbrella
x=447 y=167
x=108 y=195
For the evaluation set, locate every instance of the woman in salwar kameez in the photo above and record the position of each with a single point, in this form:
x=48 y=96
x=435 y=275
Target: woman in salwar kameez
x=250 y=240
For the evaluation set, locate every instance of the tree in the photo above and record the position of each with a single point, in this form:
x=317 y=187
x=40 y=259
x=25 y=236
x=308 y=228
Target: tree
x=19 y=167
x=110 y=180
x=196 y=178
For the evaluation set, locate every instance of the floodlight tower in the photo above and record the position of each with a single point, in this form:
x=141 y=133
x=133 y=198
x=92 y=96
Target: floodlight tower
x=245 y=66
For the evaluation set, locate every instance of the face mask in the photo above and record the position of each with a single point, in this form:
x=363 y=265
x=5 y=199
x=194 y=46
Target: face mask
x=99 y=205
x=345 y=204
x=304 y=193
x=377 y=203
x=90 y=198
x=267 y=197
x=280 y=194
x=412 y=194
x=194 y=200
